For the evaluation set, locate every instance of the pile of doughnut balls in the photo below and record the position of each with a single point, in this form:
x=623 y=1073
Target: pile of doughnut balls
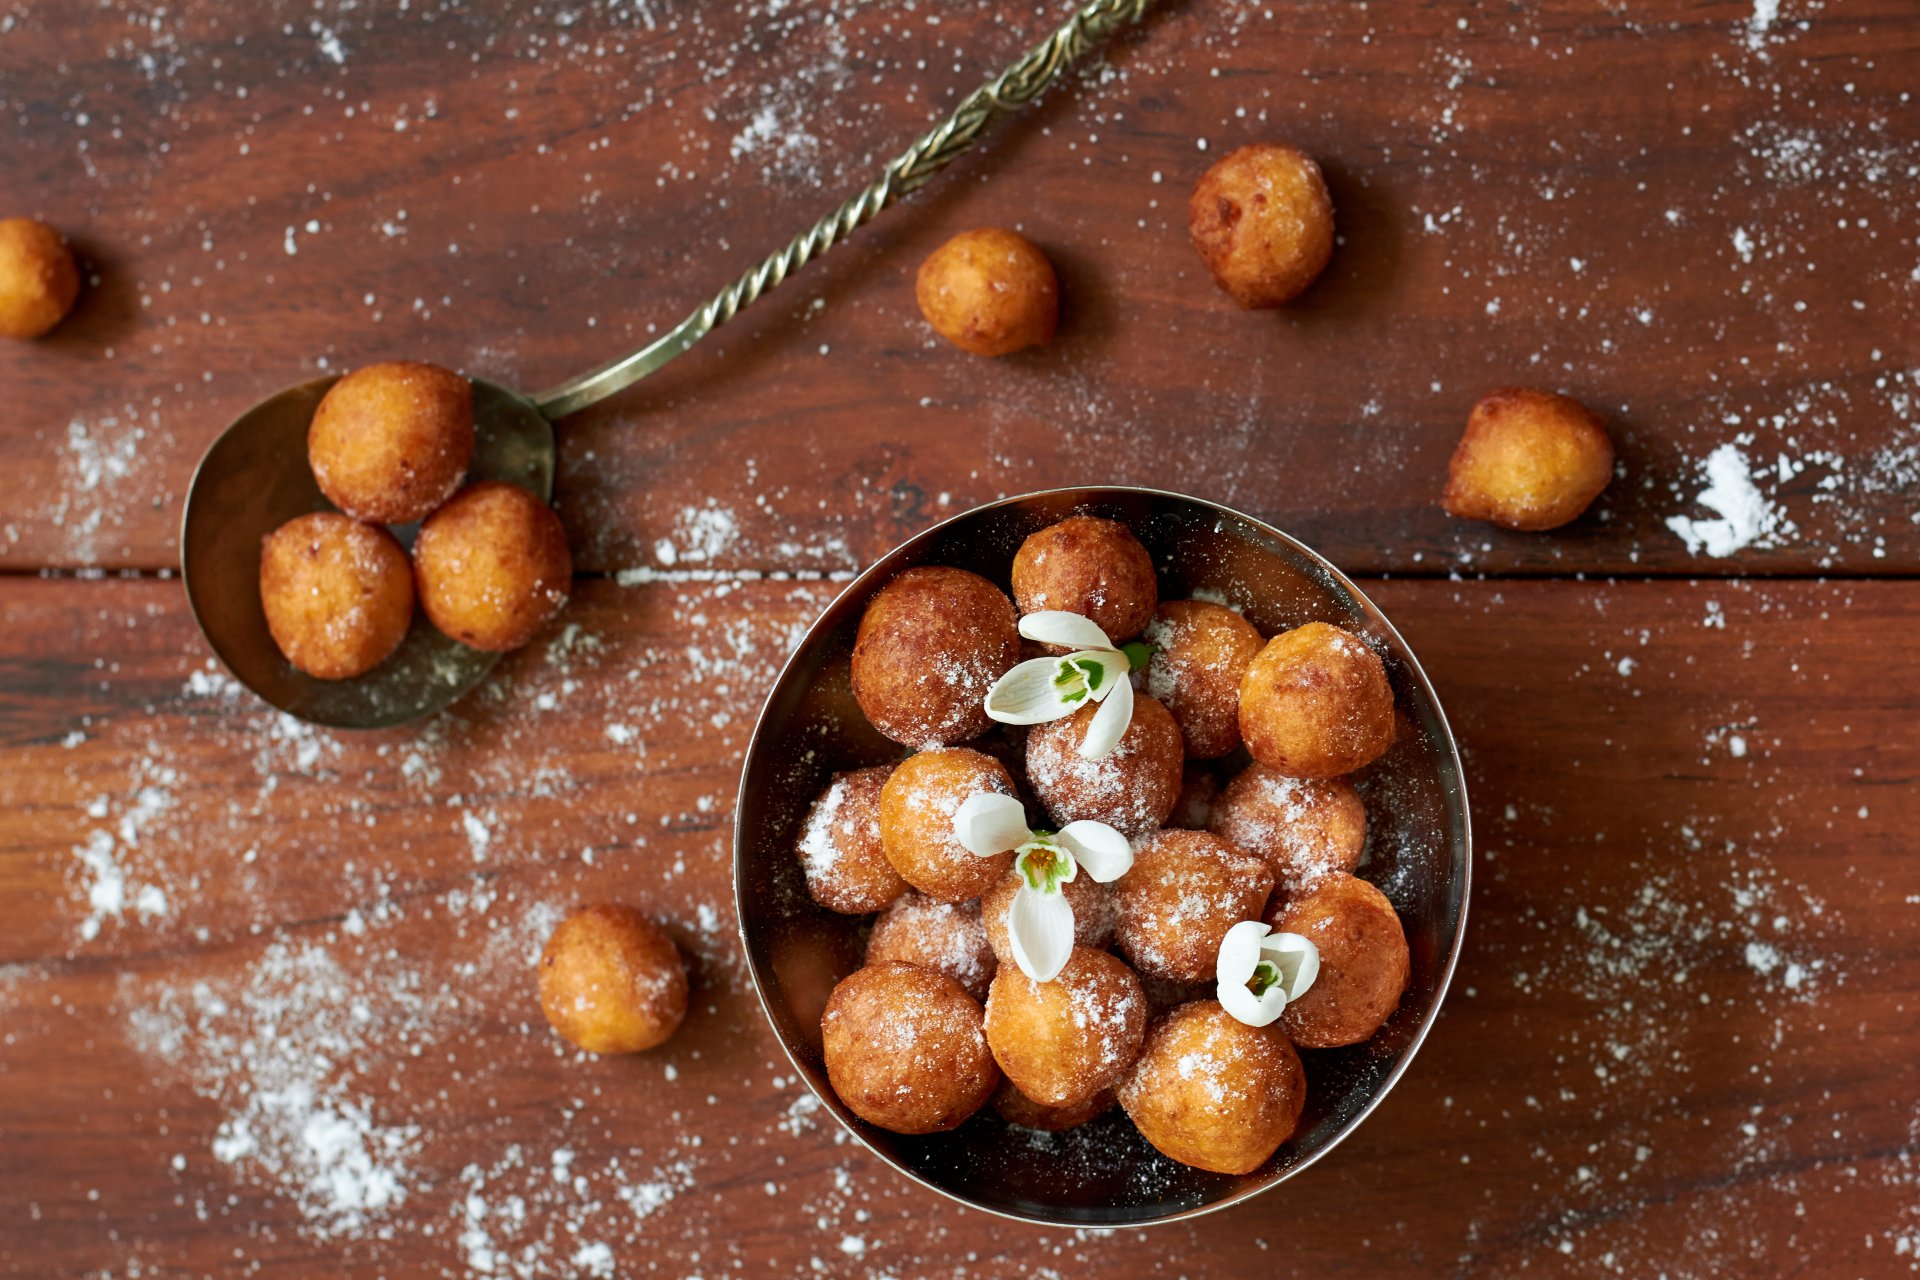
x=1262 y=222
x=389 y=445
x=1232 y=784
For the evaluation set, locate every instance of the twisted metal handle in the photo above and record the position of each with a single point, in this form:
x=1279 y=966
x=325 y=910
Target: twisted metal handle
x=1012 y=89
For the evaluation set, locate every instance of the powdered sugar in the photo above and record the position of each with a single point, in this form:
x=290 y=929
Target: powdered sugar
x=1745 y=517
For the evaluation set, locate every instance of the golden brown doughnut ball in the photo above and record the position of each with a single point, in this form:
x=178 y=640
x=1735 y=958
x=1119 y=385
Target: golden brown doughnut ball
x=1263 y=223
x=1132 y=788
x=989 y=291
x=1184 y=891
x=1213 y=1092
x=1201 y=653
x=1092 y=904
x=1016 y=1107
x=906 y=1049
x=931 y=643
x=338 y=594
x=391 y=442
x=1315 y=703
x=1364 y=964
x=1092 y=567
x=946 y=937
x=38 y=278
x=1529 y=460
x=839 y=847
x=1305 y=828
x=492 y=566
x=916 y=822
x=612 y=981
x=1062 y=1042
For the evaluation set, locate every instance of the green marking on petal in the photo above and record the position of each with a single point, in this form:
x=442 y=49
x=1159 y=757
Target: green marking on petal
x=1266 y=975
x=1043 y=865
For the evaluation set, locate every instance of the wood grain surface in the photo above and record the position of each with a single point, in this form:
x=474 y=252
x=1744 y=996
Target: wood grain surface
x=266 y=999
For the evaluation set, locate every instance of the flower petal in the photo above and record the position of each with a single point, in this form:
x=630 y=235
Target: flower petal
x=1254 y=1010
x=1040 y=927
x=1239 y=953
x=987 y=823
x=1295 y=956
x=1028 y=695
x=1109 y=722
x=1069 y=630
x=1113 y=663
x=1103 y=852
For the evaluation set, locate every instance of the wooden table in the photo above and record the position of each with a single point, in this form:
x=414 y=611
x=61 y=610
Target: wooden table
x=265 y=998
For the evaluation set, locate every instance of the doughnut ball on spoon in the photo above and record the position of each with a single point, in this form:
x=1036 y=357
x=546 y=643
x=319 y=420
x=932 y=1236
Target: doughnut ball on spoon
x=906 y=1049
x=38 y=278
x=1089 y=566
x=1062 y=1042
x=930 y=645
x=492 y=566
x=1132 y=788
x=946 y=937
x=1212 y=1092
x=391 y=442
x=611 y=981
x=1201 y=654
x=917 y=806
x=1364 y=962
x=1183 y=892
x=846 y=867
x=1315 y=703
x=1305 y=828
x=338 y=594
x=990 y=292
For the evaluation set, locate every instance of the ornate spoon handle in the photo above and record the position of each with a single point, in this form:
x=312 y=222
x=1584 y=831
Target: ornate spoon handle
x=1012 y=89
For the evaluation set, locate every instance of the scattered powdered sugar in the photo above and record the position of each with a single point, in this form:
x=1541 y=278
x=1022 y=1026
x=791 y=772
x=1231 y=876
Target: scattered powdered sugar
x=1744 y=516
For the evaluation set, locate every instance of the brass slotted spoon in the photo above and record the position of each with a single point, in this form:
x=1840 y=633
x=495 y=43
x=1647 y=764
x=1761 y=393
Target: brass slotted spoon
x=255 y=476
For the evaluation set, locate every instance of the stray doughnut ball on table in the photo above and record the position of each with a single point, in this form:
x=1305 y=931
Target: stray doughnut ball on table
x=1184 y=891
x=1210 y=1091
x=391 y=442
x=930 y=645
x=840 y=851
x=1064 y=1041
x=38 y=278
x=1091 y=901
x=946 y=937
x=1132 y=788
x=1201 y=652
x=906 y=1049
x=917 y=807
x=1305 y=828
x=1095 y=568
x=1262 y=221
x=1016 y=1107
x=1364 y=962
x=611 y=981
x=338 y=594
x=492 y=566
x=1529 y=460
x=1315 y=703
x=990 y=292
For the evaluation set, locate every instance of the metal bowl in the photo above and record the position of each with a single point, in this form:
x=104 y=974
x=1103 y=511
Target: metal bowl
x=1103 y=1174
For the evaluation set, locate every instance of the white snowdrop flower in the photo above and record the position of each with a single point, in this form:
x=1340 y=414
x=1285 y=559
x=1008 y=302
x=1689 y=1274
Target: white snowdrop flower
x=1097 y=670
x=1259 y=971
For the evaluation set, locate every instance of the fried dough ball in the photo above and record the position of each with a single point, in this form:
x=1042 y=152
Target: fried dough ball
x=1315 y=703
x=1199 y=790
x=1212 y=1092
x=906 y=1049
x=916 y=822
x=1305 y=828
x=1263 y=223
x=1529 y=460
x=1092 y=567
x=1017 y=1108
x=931 y=643
x=1201 y=653
x=38 y=278
x=1132 y=788
x=391 y=442
x=612 y=981
x=1062 y=1042
x=1092 y=904
x=1184 y=891
x=493 y=566
x=840 y=852
x=338 y=594
x=990 y=292
x=1364 y=964
x=946 y=937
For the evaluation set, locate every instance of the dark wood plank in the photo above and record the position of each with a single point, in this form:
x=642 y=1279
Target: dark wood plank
x=1695 y=216
x=1682 y=1039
